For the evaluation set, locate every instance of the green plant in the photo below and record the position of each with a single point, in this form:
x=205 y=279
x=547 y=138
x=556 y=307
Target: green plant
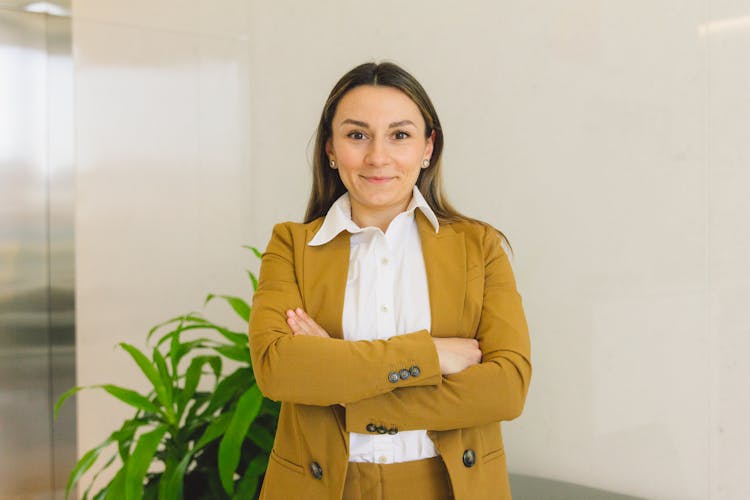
x=182 y=441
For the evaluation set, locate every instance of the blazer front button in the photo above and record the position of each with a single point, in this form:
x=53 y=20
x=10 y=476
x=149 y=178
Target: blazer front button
x=393 y=377
x=469 y=458
x=316 y=470
x=371 y=427
x=404 y=374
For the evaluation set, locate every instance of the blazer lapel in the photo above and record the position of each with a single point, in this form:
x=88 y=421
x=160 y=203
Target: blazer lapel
x=445 y=263
x=325 y=269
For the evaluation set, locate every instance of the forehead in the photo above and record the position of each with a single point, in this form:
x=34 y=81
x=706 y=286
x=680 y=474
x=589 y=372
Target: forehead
x=376 y=105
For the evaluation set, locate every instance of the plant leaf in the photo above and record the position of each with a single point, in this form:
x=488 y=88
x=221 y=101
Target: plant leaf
x=271 y=407
x=235 y=352
x=253 y=279
x=164 y=376
x=175 y=481
x=196 y=404
x=153 y=376
x=84 y=464
x=191 y=316
x=140 y=460
x=254 y=250
x=102 y=495
x=229 y=449
x=239 y=305
x=174 y=348
x=124 y=435
x=131 y=397
x=217 y=428
x=193 y=376
x=248 y=485
x=237 y=382
x=236 y=338
x=96 y=476
x=177 y=331
x=261 y=437
x=184 y=348
x=64 y=397
x=116 y=487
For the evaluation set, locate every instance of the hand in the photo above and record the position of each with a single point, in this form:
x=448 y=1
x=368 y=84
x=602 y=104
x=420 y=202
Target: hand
x=302 y=324
x=456 y=353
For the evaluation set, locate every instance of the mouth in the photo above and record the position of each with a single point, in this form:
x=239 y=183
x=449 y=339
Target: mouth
x=377 y=179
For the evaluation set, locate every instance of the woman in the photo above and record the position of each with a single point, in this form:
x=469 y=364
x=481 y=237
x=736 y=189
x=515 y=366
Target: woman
x=388 y=324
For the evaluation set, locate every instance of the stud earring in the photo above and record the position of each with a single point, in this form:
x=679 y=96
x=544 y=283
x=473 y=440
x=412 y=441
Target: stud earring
x=332 y=163
x=425 y=163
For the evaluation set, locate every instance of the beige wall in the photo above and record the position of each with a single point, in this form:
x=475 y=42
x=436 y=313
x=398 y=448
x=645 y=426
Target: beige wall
x=607 y=139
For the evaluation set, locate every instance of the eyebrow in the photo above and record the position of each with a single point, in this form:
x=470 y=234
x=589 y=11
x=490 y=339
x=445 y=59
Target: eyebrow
x=366 y=125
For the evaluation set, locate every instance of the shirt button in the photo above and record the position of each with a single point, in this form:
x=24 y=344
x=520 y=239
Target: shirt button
x=384 y=261
x=384 y=308
x=383 y=459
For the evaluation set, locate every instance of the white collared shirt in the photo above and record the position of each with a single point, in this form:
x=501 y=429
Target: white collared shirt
x=386 y=295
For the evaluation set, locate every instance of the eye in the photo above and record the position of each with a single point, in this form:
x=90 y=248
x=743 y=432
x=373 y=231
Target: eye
x=356 y=135
x=401 y=135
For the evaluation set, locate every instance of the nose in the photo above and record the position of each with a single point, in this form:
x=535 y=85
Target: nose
x=377 y=153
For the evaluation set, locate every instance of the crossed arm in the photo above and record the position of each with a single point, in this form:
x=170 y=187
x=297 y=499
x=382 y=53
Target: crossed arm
x=295 y=360
x=454 y=353
x=321 y=371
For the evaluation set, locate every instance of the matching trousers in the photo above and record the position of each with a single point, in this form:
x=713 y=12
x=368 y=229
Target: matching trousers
x=425 y=479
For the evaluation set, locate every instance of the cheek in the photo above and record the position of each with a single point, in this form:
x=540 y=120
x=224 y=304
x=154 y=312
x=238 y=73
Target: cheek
x=410 y=164
x=348 y=158
x=411 y=156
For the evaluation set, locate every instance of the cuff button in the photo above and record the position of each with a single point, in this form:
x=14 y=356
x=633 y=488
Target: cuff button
x=393 y=377
x=414 y=371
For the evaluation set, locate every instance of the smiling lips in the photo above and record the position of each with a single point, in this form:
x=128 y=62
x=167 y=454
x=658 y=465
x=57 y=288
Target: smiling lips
x=377 y=180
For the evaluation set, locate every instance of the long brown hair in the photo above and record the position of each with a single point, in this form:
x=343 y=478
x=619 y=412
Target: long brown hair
x=327 y=186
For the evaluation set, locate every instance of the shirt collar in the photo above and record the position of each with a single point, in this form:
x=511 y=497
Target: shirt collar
x=339 y=217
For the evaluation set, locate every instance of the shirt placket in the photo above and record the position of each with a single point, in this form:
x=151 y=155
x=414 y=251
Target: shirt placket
x=386 y=324
x=383 y=448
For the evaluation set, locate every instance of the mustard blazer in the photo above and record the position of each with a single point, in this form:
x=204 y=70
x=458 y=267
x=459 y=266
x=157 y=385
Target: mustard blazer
x=472 y=294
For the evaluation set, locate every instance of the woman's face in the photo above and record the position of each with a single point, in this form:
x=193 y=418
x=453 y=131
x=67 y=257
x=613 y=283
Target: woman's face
x=378 y=143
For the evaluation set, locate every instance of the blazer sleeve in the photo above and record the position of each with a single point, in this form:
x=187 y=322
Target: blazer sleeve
x=490 y=391
x=316 y=370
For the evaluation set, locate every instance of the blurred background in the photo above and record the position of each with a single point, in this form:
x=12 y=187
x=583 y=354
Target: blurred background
x=143 y=142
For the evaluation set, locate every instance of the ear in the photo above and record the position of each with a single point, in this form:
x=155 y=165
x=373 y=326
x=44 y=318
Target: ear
x=430 y=143
x=329 y=148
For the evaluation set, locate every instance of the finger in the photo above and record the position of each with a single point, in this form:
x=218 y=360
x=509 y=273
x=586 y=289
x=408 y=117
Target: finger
x=310 y=323
x=298 y=326
x=294 y=326
x=302 y=325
